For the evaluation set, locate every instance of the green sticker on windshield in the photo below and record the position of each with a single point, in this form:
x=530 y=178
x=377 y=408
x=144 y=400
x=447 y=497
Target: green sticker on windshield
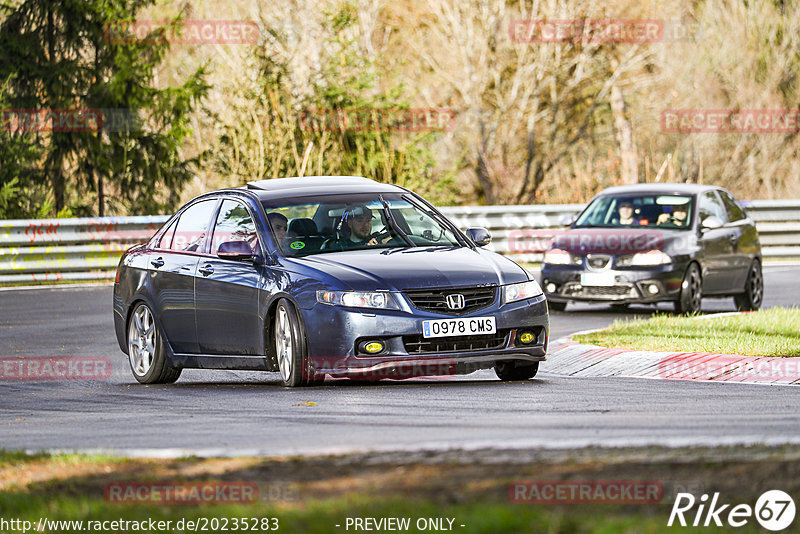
x=297 y=245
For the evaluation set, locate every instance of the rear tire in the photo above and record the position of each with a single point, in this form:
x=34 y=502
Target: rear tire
x=146 y=352
x=753 y=294
x=508 y=371
x=691 y=292
x=557 y=306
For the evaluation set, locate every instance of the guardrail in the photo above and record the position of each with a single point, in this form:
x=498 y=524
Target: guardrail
x=89 y=249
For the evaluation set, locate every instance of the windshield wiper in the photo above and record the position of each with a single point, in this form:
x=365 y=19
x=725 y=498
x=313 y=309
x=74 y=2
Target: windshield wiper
x=390 y=219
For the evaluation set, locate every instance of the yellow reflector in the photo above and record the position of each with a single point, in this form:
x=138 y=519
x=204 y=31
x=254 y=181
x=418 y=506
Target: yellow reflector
x=526 y=337
x=373 y=347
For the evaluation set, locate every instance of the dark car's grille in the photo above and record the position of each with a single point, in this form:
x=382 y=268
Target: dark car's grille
x=435 y=300
x=417 y=344
x=619 y=290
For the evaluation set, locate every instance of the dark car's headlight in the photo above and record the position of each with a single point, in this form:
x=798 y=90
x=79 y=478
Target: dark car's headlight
x=644 y=259
x=557 y=256
x=521 y=291
x=358 y=299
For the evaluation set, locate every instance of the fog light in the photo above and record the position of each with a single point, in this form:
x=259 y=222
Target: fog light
x=526 y=338
x=653 y=289
x=551 y=287
x=373 y=347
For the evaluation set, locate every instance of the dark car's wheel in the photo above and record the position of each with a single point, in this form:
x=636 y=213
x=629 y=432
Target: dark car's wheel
x=753 y=294
x=557 y=306
x=508 y=371
x=290 y=350
x=691 y=291
x=146 y=352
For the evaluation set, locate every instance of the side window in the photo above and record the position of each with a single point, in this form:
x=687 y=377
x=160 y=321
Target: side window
x=234 y=223
x=192 y=227
x=710 y=205
x=166 y=238
x=735 y=212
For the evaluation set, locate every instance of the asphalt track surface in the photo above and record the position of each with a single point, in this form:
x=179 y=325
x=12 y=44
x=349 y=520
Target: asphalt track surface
x=246 y=413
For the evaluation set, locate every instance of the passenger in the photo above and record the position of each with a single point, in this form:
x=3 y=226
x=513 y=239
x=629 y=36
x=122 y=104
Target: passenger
x=625 y=211
x=279 y=224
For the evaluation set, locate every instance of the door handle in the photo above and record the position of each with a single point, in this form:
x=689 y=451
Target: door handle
x=206 y=270
x=158 y=262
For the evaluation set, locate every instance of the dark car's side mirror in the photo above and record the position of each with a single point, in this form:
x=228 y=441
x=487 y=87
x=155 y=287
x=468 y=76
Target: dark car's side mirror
x=712 y=222
x=480 y=236
x=235 y=250
x=567 y=220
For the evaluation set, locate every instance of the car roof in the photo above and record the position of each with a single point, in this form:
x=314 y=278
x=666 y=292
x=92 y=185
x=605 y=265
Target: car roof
x=278 y=188
x=681 y=189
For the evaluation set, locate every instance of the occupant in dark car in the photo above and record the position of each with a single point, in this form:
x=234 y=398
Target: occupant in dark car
x=358 y=221
x=625 y=212
x=279 y=224
x=678 y=217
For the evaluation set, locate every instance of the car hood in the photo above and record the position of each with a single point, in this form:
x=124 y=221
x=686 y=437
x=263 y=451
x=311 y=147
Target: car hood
x=580 y=241
x=412 y=268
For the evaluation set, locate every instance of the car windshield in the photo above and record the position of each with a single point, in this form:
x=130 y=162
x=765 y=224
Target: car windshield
x=672 y=212
x=334 y=223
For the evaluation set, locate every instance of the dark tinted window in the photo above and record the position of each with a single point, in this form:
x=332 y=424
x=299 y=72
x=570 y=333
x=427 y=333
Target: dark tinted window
x=192 y=227
x=234 y=223
x=735 y=212
x=710 y=205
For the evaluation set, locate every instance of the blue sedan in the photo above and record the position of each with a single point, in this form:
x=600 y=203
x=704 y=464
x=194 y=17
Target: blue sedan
x=315 y=276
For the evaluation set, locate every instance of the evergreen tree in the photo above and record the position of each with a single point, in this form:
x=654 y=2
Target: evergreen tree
x=60 y=59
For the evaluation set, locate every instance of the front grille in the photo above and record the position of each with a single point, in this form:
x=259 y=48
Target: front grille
x=619 y=291
x=417 y=344
x=435 y=300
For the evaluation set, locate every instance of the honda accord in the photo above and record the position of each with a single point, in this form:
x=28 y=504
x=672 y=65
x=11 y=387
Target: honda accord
x=316 y=276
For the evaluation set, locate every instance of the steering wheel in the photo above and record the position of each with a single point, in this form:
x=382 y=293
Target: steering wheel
x=379 y=236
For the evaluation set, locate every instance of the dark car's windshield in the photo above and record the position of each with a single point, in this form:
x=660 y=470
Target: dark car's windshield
x=333 y=223
x=673 y=212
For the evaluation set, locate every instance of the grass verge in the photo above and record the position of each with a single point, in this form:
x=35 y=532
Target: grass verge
x=471 y=488
x=770 y=332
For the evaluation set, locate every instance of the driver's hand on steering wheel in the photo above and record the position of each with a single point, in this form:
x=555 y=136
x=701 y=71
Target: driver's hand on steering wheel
x=374 y=240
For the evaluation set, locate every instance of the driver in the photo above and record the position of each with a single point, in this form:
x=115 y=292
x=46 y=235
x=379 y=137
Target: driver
x=677 y=218
x=358 y=221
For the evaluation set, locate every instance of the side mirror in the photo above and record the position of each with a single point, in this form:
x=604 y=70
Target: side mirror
x=480 y=236
x=235 y=250
x=711 y=222
x=567 y=220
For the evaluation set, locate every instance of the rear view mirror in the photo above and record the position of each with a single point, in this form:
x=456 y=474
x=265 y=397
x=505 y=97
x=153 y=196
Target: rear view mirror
x=480 y=236
x=235 y=250
x=567 y=220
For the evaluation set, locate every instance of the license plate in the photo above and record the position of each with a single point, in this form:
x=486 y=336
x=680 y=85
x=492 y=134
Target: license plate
x=458 y=327
x=598 y=279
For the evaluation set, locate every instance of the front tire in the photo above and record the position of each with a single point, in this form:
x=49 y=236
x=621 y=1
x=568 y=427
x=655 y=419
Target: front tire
x=753 y=294
x=691 y=292
x=509 y=371
x=146 y=352
x=290 y=350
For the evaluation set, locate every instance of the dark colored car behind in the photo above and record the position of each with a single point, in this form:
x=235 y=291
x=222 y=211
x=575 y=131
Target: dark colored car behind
x=316 y=276
x=657 y=242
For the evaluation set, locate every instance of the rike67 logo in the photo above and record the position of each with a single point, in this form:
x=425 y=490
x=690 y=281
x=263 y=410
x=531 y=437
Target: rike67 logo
x=774 y=510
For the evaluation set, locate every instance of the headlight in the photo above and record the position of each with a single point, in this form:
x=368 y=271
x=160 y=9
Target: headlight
x=524 y=290
x=557 y=256
x=644 y=259
x=358 y=299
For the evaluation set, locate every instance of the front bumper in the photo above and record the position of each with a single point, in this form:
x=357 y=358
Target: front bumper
x=334 y=334
x=562 y=283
